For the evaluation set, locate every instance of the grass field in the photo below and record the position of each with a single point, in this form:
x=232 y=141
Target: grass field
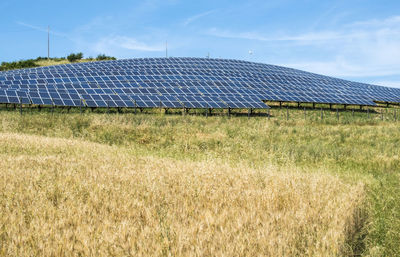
x=166 y=185
x=53 y=62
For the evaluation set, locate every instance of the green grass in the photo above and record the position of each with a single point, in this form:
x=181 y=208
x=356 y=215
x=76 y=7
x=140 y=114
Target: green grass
x=354 y=148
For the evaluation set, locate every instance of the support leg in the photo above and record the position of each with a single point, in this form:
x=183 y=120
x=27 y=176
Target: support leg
x=287 y=112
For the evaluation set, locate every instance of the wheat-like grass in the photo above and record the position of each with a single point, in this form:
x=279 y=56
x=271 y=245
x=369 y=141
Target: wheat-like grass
x=57 y=62
x=63 y=197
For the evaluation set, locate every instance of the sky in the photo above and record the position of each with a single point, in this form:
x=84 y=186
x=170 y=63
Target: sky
x=357 y=40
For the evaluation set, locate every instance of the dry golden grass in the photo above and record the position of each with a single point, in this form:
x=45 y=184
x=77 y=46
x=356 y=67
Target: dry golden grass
x=63 y=197
x=53 y=62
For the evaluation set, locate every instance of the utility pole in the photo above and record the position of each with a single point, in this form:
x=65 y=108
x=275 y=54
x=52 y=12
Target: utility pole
x=166 y=49
x=48 y=42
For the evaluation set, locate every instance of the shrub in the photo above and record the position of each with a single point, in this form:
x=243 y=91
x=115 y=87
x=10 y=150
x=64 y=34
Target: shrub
x=103 y=57
x=40 y=58
x=18 y=65
x=75 y=57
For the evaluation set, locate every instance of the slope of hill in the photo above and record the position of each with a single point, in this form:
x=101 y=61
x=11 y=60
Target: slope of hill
x=42 y=61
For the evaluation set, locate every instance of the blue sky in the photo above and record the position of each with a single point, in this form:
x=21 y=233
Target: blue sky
x=354 y=39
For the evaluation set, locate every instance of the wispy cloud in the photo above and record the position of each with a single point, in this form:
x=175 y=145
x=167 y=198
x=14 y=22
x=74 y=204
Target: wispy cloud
x=197 y=17
x=390 y=21
x=373 y=29
x=341 y=67
x=41 y=29
x=251 y=35
x=388 y=83
x=106 y=44
x=359 y=49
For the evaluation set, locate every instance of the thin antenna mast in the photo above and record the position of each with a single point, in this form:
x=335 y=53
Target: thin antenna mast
x=48 y=42
x=166 y=49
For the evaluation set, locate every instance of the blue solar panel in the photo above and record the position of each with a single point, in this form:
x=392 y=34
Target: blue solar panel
x=178 y=82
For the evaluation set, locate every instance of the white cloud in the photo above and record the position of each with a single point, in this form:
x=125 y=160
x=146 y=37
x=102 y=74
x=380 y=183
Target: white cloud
x=388 y=83
x=311 y=37
x=196 y=17
x=342 y=68
x=107 y=44
x=361 y=49
x=390 y=21
x=52 y=32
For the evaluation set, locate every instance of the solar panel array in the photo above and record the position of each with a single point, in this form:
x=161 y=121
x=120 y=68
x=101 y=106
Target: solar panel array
x=181 y=83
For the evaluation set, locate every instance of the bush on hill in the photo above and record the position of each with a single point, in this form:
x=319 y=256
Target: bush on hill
x=57 y=59
x=75 y=57
x=103 y=57
x=18 y=65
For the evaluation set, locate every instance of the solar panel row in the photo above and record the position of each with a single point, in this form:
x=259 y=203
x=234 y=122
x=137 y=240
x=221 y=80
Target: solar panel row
x=181 y=82
x=128 y=100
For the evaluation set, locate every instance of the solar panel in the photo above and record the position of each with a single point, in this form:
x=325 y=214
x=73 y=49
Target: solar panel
x=178 y=82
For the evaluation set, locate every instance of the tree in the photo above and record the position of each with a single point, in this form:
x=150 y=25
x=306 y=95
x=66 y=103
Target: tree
x=75 y=57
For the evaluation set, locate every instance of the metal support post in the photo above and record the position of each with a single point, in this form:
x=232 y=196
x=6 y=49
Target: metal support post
x=322 y=114
x=287 y=112
x=337 y=113
x=20 y=105
x=269 y=114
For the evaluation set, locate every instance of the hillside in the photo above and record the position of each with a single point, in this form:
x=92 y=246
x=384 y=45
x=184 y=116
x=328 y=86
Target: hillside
x=43 y=61
x=125 y=184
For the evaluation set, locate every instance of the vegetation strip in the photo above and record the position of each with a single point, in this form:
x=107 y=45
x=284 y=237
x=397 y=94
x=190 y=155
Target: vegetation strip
x=331 y=188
